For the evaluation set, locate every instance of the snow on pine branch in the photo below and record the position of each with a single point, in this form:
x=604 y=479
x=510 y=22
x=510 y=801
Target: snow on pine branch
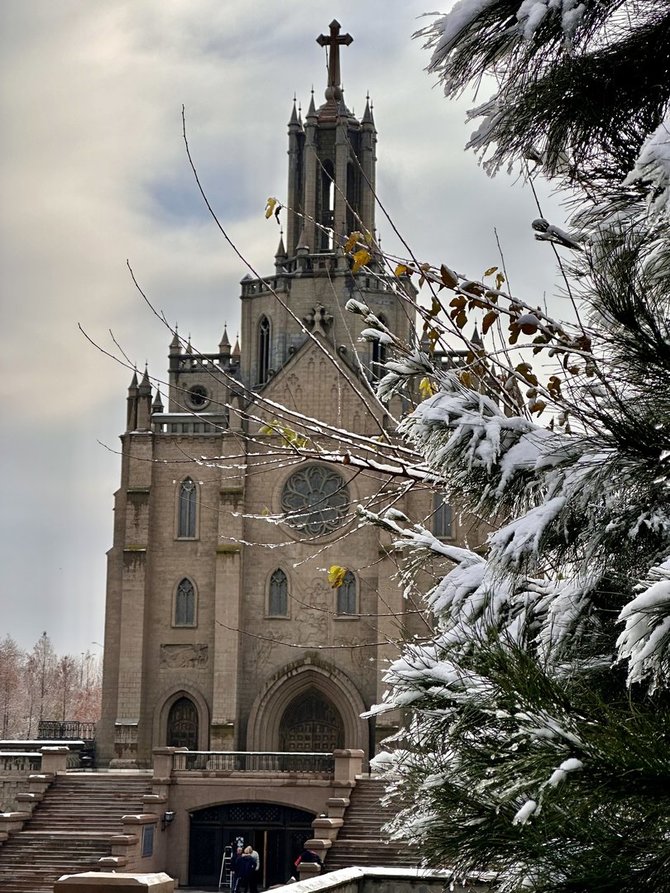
x=531 y=14
x=653 y=168
x=571 y=508
x=645 y=640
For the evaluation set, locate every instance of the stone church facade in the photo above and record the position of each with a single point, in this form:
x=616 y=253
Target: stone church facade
x=222 y=632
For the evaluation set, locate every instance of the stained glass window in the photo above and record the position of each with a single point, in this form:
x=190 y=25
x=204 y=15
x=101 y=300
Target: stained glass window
x=315 y=500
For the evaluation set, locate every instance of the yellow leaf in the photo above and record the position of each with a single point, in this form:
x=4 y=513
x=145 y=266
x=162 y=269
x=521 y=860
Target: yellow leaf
x=401 y=270
x=270 y=428
x=361 y=257
x=426 y=388
x=490 y=271
x=352 y=240
x=336 y=575
x=270 y=207
x=499 y=280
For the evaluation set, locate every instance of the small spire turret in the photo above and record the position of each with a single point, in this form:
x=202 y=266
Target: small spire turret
x=368 y=117
x=303 y=243
x=224 y=343
x=280 y=254
x=145 y=385
x=294 y=121
x=236 y=349
x=157 y=405
x=131 y=412
x=175 y=344
x=144 y=403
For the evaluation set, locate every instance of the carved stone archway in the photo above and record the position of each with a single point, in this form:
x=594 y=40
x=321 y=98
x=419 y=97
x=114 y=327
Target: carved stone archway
x=301 y=680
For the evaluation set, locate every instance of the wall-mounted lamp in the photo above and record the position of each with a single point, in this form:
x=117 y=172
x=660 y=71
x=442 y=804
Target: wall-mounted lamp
x=168 y=819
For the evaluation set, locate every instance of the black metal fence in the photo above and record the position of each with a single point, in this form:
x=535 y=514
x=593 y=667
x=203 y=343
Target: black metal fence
x=69 y=730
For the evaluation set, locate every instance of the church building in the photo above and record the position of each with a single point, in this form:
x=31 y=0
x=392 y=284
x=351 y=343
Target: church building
x=222 y=630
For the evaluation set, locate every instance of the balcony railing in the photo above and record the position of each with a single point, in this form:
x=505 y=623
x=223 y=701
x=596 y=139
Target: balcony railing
x=20 y=762
x=53 y=730
x=189 y=423
x=241 y=761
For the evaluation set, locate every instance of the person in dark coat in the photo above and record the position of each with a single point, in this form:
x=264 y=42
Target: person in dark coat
x=308 y=856
x=244 y=867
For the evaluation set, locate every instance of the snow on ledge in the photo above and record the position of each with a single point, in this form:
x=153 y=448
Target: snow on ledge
x=344 y=877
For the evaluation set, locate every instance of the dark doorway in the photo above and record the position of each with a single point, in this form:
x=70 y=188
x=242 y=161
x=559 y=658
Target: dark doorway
x=277 y=833
x=182 y=725
x=311 y=724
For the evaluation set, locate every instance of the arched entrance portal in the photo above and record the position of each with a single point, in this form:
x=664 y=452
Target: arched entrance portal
x=311 y=724
x=182 y=724
x=277 y=833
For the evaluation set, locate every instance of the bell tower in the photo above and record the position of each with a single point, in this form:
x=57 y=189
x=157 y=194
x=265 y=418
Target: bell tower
x=331 y=164
x=330 y=194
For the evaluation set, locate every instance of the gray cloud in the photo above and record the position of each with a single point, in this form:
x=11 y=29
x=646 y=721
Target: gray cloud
x=94 y=172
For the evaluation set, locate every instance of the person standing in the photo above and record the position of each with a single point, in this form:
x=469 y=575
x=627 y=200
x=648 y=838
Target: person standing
x=244 y=871
x=253 y=881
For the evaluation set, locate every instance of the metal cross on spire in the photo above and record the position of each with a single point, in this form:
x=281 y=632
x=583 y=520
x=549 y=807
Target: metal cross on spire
x=334 y=41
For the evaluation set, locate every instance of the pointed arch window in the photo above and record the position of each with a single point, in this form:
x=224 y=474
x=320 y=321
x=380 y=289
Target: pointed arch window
x=184 y=604
x=278 y=594
x=379 y=354
x=263 y=349
x=187 y=513
x=347 y=596
x=327 y=205
x=442 y=517
x=353 y=197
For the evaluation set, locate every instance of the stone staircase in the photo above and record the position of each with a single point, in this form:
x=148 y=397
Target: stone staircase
x=69 y=830
x=361 y=840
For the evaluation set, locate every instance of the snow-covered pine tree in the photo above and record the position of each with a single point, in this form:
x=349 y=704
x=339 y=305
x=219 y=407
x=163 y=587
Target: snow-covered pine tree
x=537 y=742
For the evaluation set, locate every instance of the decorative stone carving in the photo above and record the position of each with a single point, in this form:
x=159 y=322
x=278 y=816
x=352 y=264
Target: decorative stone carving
x=177 y=656
x=319 y=319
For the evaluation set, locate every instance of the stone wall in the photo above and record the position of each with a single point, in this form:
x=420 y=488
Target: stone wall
x=12 y=784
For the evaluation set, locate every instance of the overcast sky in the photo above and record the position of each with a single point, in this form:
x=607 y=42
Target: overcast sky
x=94 y=172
